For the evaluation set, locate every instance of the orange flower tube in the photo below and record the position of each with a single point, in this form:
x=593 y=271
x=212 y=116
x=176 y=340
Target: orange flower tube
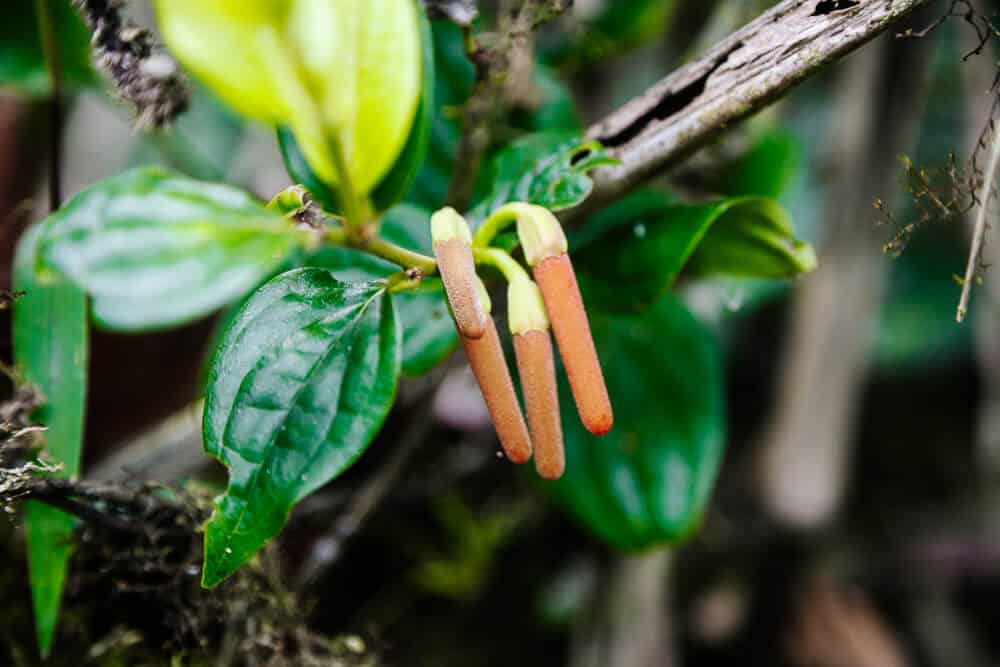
x=545 y=249
x=453 y=250
x=537 y=369
x=486 y=358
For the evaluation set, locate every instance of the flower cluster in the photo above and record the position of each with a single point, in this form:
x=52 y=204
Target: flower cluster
x=551 y=299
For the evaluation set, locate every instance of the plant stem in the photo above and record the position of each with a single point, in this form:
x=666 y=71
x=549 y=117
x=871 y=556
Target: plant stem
x=50 y=49
x=980 y=230
x=493 y=225
x=502 y=261
x=379 y=247
x=357 y=223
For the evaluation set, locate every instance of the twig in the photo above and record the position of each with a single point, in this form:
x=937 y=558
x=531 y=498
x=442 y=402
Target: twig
x=147 y=78
x=53 y=63
x=744 y=73
x=979 y=232
x=503 y=75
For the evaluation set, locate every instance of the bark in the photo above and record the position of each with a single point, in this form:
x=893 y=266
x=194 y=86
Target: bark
x=631 y=625
x=742 y=74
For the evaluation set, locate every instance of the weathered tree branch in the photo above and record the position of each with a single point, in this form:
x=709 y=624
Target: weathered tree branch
x=742 y=74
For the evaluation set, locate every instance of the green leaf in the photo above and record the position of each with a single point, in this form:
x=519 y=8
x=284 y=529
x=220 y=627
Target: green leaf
x=428 y=332
x=629 y=254
x=300 y=385
x=547 y=168
x=397 y=182
x=556 y=111
x=155 y=249
x=50 y=349
x=767 y=168
x=343 y=73
x=454 y=80
x=755 y=240
x=649 y=479
x=22 y=63
x=617 y=27
x=302 y=173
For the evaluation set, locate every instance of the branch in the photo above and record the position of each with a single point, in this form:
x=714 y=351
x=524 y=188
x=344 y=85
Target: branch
x=741 y=75
x=989 y=177
x=144 y=76
x=503 y=75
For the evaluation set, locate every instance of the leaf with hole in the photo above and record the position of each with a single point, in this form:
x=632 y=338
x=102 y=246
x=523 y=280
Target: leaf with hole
x=154 y=249
x=630 y=253
x=548 y=168
x=304 y=377
x=50 y=350
x=648 y=481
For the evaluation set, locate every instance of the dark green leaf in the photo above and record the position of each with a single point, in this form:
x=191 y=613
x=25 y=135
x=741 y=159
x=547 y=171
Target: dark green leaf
x=50 y=349
x=302 y=173
x=629 y=254
x=617 y=27
x=300 y=385
x=22 y=64
x=428 y=333
x=557 y=109
x=400 y=178
x=453 y=86
x=154 y=249
x=754 y=239
x=767 y=167
x=649 y=479
x=548 y=169
x=455 y=77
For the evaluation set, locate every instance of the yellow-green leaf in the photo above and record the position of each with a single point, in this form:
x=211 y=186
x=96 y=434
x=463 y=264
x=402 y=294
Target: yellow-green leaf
x=341 y=73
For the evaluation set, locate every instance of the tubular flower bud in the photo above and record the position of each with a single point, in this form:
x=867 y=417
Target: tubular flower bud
x=557 y=281
x=453 y=250
x=488 y=365
x=540 y=233
x=536 y=366
x=525 y=308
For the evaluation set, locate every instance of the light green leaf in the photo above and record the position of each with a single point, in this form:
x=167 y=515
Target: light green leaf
x=629 y=254
x=647 y=481
x=155 y=249
x=397 y=182
x=22 y=64
x=300 y=385
x=345 y=73
x=50 y=349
